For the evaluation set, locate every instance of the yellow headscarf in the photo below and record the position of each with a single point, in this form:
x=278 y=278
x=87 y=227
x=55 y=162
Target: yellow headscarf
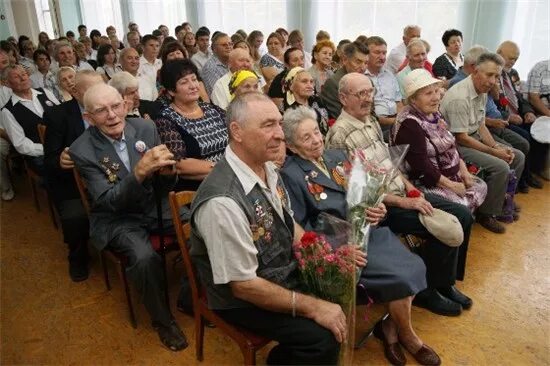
x=237 y=78
x=289 y=78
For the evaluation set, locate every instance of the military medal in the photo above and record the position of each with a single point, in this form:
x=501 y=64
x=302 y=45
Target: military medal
x=255 y=232
x=110 y=170
x=323 y=196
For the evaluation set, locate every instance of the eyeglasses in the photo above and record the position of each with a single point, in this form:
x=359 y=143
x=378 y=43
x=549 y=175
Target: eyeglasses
x=362 y=94
x=103 y=112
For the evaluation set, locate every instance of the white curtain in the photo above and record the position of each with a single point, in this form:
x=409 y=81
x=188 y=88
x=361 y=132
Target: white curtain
x=99 y=14
x=149 y=14
x=231 y=15
x=351 y=18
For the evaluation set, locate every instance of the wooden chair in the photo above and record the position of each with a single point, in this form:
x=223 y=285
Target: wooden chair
x=248 y=342
x=120 y=261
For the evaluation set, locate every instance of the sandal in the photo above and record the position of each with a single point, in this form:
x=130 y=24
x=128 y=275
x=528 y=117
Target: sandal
x=172 y=337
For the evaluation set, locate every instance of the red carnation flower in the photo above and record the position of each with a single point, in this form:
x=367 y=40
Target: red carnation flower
x=309 y=237
x=503 y=101
x=473 y=169
x=413 y=193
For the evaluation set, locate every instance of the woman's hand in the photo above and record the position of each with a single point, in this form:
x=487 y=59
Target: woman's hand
x=376 y=214
x=458 y=188
x=359 y=256
x=468 y=180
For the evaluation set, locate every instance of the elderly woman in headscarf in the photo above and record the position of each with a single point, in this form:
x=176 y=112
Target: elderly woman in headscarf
x=242 y=82
x=314 y=178
x=432 y=159
x=299 y=88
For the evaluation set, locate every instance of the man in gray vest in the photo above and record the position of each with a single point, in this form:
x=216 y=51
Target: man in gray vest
x=241 y=243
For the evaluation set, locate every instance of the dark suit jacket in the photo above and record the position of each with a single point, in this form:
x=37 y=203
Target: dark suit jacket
x=152 y=108
x=124 y=205
x=63 y=125
x=329 y=93
x=305 y=206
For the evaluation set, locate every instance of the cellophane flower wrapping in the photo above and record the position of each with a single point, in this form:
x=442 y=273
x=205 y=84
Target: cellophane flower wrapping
x=367 y=183
x=327 y=268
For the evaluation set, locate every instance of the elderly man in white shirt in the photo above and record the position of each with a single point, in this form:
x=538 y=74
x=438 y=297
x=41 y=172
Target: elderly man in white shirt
x=129 y=61
x=397 y=54
x=239 y=59
x=22 y=114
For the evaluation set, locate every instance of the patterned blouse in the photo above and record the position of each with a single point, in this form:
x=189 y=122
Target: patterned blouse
x=202 y=138
x=269 y=61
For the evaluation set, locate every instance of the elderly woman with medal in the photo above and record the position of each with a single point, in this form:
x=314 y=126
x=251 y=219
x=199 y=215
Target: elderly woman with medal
x=314 y=178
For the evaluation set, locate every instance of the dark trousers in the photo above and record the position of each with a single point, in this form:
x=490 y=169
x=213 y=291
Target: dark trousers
x=444 y=264
x=75 y=227
x=517 y=140
x=144 y=268
x=301 y=340
x=538 y=152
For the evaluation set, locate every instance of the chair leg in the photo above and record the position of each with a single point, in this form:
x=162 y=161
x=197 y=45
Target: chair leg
x=52 y=212
x=124 y=280
x=34 y=194
x=199 y=336
x=103 y=262
x=249 y=355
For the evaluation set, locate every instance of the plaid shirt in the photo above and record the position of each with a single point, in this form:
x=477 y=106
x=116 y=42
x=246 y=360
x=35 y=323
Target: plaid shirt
x=349 y=134
x=211 y=72
x=538 y=80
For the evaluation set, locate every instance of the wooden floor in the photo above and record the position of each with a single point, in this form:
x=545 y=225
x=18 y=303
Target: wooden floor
x=47 y=319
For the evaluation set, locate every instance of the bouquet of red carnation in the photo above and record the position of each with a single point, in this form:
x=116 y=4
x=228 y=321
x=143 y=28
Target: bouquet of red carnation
x=329 y=273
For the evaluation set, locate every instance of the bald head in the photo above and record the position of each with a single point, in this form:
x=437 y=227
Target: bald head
x=83 y=81
x=97 y=93
x=239 y=59
x=356 y=95
x=510 y=53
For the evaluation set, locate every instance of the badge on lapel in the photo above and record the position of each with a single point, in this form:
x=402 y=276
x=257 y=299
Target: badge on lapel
x=315 y=189
x=110 y=169
x=339 y=173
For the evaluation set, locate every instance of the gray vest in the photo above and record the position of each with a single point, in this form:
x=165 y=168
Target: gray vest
x=273 y=236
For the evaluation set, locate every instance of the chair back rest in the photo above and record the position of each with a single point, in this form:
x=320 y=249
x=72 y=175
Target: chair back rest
x=183 y=232
x=41 y=132
x=82 y=190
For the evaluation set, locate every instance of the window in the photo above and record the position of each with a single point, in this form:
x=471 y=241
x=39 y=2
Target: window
x=230 y=15
x=44 y=16
x=101 y=14
x=149 y=14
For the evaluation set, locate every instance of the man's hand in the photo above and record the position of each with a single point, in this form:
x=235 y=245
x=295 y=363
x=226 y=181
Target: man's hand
x=504 y=153
x=418 y=204
x=468 y=180
x=65 y=160
x=376 y=214
x=153 y=160
x=496 y=123
x=515 y=119
x=331 y=317
x=529 y=117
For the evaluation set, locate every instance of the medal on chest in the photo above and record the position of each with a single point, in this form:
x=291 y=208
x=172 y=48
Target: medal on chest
x=110 y=168
x=264 y=222
x=316 y=190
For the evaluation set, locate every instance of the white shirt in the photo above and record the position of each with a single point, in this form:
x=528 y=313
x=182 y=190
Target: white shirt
x=37 y=80
x=83 y=65
x=220 y=93
x=396 y=57
x=307 y=60
x=200 y=58
x=230 y=246
x=149 y=69
x=5 y=95
x=147 y=87
x=15 y=132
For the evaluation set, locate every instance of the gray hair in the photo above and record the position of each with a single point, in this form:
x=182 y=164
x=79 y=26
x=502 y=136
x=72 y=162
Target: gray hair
x=409 y=28
x=7 y=70
x=122 y=81
x=471 y=56
x=490 y=57
x=344 y=81
x=238 y=108
x=60 y=45
x=292 y=119
x=93 y=92
x=415 y=42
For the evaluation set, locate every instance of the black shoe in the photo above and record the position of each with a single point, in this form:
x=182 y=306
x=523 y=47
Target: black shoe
x=534 y=182
x=78 y=271
x=452 y=293
x=172 y=336
x=432 y=300
x=523 y=188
